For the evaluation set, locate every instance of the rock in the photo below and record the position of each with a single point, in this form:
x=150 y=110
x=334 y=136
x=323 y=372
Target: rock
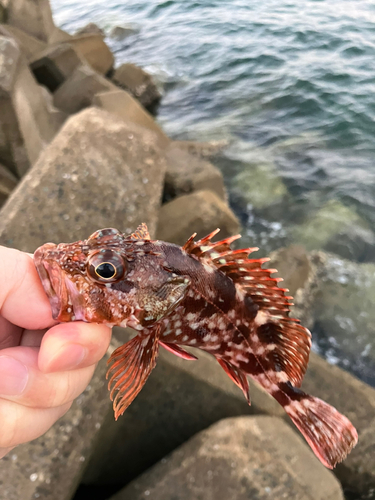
x=302 y=273
x=34 y=17
x=202 y=149
x=170 y=409
x=200 y=212
x=90 y=28
x=7 y=183
x=89 y=142
x=356 y=400
x=138 y=82
x=78 y=91
x=121 y=32
x=54 y=65
x=122 y=104
x=187 y=173
x=59 y=36
x=28 y=44
x=242 y=458
x=25 y=121
x=92 y=175
x=93 y=49
x=339 y=229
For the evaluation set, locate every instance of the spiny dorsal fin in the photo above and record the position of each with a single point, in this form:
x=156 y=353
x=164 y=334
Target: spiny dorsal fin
x=290 y=341
x=141 y=233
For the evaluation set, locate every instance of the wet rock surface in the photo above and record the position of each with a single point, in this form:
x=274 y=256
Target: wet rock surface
x=122 y=32
x=344 y=314
x=199 y=212
x=242 y=458
x=90 y=28
x=339 y=229
x=138 y=82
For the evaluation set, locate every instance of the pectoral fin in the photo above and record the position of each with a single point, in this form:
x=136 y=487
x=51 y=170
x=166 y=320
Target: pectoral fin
x=131 y=365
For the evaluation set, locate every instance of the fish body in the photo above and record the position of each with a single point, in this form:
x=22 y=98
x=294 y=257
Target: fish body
x=203 y=295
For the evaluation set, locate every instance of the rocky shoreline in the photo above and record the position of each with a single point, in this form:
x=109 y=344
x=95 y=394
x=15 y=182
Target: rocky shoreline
x=79 y=149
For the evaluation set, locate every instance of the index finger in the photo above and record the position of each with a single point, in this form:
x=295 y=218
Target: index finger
x=23 y=301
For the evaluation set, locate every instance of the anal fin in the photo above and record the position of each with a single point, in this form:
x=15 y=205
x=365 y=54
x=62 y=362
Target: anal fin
x=238 y=377
x=131 y=365
x=178 y=351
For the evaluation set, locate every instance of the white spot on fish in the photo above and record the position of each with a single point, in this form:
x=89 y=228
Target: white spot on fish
x=261 y=318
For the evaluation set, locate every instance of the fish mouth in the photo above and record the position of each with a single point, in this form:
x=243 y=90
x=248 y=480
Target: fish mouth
x=65 y=300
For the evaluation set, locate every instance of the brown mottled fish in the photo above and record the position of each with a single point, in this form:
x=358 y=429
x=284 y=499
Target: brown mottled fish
x=202 y=295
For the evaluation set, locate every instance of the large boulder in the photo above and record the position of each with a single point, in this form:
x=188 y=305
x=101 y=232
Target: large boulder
x=238 y=458
x=25 y=125
x=187 y=173
x=200 y=212
x=93 y=49
x=34 y=17
x=29 y=45
x=91 y=142
x=54 y=65
x=78 y=91
x=138 y=82
x=122 y=104
x=170 y=409
x=92 y=175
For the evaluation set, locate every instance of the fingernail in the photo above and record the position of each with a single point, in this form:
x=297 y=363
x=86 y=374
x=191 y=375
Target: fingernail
x=13 y=376
x=68 y=357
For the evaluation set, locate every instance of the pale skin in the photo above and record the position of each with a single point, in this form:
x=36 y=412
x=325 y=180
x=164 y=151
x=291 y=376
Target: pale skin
x=44 y=366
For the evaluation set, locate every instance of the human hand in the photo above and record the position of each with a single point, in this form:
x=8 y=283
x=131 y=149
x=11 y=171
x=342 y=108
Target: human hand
x=43 y=365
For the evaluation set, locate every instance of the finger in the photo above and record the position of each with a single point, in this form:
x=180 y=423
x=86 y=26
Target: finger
x=21 y=380
x=20 y=424
x=73 y=345
x=22 y=297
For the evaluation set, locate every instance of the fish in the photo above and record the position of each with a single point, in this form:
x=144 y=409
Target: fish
x=204 y=295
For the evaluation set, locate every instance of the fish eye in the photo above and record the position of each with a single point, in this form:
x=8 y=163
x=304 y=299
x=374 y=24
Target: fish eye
x=106 y=266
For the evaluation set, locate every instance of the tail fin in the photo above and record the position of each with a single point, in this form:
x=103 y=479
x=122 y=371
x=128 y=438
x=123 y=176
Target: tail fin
x=330 y=434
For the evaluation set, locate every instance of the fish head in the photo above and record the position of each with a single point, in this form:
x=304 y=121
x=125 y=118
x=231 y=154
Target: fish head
x=109 y=278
